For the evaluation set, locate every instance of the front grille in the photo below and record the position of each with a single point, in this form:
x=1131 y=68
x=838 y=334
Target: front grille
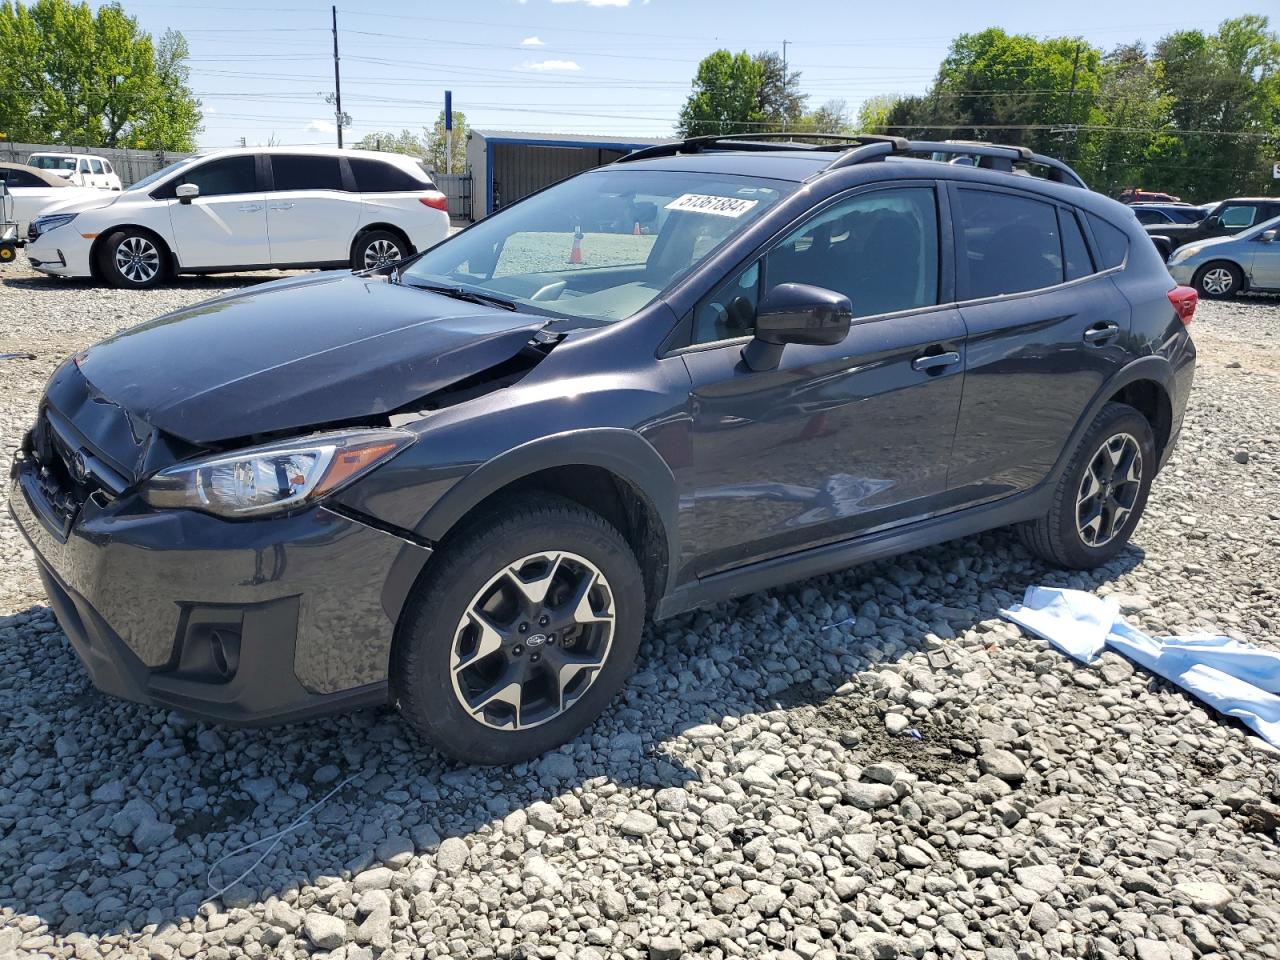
x=64 y=472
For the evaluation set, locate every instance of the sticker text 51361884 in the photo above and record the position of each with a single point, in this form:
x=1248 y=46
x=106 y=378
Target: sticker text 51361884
x=716 y=206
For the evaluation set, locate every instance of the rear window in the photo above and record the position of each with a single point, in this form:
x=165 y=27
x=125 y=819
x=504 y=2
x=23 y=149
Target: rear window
x=1113 y=244
x=1008 y=244
x=302 y=172
x=378 y=176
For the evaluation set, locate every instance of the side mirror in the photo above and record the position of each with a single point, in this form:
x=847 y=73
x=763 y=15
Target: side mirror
x=1213 y=223
x=1268 y=236
x=796 y=313
x=186 y=192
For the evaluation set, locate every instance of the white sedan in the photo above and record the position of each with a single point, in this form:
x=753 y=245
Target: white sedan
x=33 y=191
x=246 y=209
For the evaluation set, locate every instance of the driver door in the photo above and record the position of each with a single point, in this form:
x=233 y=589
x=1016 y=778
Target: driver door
x=837 y=441
x=226 y=225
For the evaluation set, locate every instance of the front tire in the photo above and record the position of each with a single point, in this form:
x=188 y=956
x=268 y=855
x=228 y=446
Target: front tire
x=1101 y=493
x=521 y=632
x=134 y=260
x=377 y=248
x=1218 y=280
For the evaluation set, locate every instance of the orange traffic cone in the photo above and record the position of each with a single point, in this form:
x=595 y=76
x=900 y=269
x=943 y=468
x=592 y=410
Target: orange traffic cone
x=636 y=231
x=575 y=254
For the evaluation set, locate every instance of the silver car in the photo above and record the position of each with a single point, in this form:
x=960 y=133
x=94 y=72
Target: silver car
x=1225 y=266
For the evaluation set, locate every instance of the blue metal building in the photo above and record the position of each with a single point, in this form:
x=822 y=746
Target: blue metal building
x=507 y=165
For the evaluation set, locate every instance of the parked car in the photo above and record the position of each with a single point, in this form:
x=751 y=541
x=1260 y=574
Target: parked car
x=33 y=190
x=1138 y=195
x=460 y=484
x=1159 y=213
x=78 y=169
x=1225 y=266
x=1228 y=217
x=247 y=209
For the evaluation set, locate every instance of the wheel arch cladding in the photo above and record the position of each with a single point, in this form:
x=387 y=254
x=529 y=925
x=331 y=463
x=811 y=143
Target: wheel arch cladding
x=613 y=472
x=1151 y=399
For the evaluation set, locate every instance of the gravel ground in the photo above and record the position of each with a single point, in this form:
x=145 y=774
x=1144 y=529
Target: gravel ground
x=745 y=797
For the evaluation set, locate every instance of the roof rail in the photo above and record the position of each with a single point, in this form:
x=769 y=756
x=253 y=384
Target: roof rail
x=991 y=156
x=866 y=147
x=758 y=141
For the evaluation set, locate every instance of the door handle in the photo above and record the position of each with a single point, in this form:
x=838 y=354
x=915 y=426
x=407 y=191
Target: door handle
x=934 y=362
x=250 y=207
x=282 y=206
x=1100 y=332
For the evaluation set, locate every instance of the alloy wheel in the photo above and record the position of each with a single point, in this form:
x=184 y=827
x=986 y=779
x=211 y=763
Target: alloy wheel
x=532 y=641
x=137 y=259
x=1217 y=281
x=380 y=253
x=1109 y=490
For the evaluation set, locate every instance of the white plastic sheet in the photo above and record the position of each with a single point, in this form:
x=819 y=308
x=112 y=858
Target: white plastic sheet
x=1234 y=678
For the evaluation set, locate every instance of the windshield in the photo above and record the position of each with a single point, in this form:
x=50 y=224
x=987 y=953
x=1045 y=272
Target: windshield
x=601 y=245
x=1258 y=230
x=159 y=174
x=52 y=163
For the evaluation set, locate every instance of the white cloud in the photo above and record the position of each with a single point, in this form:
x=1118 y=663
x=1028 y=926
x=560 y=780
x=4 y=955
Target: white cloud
x=533 y=42
x=551 y=65
x=597 y=3
x=321 y=126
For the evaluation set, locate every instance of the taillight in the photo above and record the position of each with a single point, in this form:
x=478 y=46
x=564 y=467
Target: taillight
x=1184 y=300
x=435 y=200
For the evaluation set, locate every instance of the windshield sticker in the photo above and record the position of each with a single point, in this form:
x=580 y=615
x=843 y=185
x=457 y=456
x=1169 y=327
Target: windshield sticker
x=716 y=206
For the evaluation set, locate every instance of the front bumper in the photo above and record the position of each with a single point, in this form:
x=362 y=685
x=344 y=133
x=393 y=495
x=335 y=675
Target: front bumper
x=61 y=252
x=235 y=621
x=1182 y=273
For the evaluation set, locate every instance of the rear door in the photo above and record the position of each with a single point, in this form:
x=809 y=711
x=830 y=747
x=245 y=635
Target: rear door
x=837 y=440
x=1045 y=327
x=311 y=215
x=226 y=225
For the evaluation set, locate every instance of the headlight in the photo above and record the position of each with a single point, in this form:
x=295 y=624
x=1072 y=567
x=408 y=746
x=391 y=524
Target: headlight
x=275 y=477
x=1183 y=253
x=51 y=222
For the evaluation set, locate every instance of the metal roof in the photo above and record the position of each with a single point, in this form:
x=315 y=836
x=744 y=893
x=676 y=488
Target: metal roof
x=568 y=139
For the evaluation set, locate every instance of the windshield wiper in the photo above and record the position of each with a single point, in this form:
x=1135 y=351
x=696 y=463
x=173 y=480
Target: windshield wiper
x=462 y=293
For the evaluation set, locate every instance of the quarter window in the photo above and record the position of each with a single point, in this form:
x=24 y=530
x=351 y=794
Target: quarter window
x=879 y=249
x=1075 y=252
x=1007 y=244
x=1113 y=244
x=294 y=171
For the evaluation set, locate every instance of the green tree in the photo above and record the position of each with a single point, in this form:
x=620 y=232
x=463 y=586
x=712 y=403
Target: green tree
x=831 y=117
x=435 y=144
x=1224 y=93
x=725 y=97
x=874 y=113
x=80 y=78
x=406 y=141
x=779 y=100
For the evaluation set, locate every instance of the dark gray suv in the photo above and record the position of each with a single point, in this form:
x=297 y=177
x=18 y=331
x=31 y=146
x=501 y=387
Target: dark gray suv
x=460 y=484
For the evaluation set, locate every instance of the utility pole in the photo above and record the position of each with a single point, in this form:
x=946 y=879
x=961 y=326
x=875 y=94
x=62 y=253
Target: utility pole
x=784 y=85
x=1071 y=99
x=337 y=78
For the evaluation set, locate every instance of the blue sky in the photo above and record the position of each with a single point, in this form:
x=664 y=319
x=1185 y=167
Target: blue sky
x=584 y=66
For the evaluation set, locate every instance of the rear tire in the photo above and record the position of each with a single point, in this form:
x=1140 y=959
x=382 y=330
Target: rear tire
x=1218 y=280
x=520 y=633
x=134 y=260
x=377 y=248
x=1101 y=494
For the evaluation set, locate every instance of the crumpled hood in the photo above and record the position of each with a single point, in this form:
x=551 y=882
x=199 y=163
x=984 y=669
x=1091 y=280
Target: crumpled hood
x=298 y=353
